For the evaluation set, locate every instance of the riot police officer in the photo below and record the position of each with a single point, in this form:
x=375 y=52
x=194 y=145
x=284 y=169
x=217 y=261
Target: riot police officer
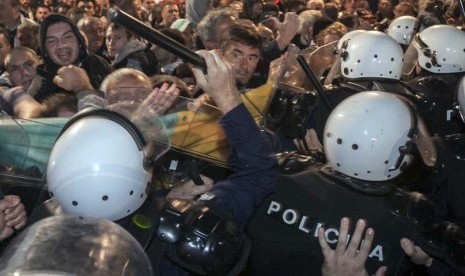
x=369 y=139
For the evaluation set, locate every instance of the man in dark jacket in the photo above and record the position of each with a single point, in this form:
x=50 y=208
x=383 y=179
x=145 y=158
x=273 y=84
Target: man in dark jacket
x=62 y=44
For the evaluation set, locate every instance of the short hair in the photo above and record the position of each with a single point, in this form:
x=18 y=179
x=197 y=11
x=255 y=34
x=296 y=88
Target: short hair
x=174 y=34
x=56 y=102
x=85 y=21
x=330 y=10
x=409 y=9
x=206 y=29
x=115 y=26
x=336 y=28
x=124 y=74
x=243 y=34
x=19 y=49
x=40 y=5
x=170 y=3
x=310 y=2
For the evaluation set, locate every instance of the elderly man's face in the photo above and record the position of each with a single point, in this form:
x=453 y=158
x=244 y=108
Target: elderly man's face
x=95 y=34
x=22 y=68
x=244 y=60
x=61 y=44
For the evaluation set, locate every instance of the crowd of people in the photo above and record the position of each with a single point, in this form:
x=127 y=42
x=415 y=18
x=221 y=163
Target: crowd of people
x=397 y=76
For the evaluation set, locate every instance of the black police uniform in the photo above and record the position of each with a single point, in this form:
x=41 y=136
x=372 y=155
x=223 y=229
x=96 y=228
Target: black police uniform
x=434 y=96
x=284 y=230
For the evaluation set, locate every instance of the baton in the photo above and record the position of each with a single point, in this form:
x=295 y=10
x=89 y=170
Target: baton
x=118 y=16
x=311 y=76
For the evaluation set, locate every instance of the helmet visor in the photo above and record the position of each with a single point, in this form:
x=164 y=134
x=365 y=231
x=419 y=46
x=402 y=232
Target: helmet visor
x=410 y=60
x=187 y=125
x=136 y=105
x=425 y=145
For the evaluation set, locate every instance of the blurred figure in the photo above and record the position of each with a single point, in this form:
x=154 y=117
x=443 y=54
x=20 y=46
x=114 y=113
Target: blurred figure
x=5 y=48
x=94 y=30
x=212 y=26
x=404 y=8
x=187 y=28
x=315 y=5
x=126 y=50
x=88 y=6
x=330 y=34
x=169 y=14
x=41 y=12
x=28 y=36
x=147 y=10
x=21 y=65
x=11 y=18
x=27 y=9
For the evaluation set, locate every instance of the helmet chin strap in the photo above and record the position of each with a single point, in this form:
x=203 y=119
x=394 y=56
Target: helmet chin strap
x=409 y=145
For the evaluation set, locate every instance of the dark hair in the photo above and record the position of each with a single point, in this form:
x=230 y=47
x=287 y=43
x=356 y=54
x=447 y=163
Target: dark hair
x=330 y=11
x=174 y=34
x=54 y=103
x=115 y=26
x=243 y=34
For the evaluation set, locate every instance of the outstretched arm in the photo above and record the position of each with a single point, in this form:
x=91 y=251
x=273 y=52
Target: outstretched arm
x=251 y=157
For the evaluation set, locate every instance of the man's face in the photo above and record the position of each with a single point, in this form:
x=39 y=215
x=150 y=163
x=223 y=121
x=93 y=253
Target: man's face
x=25 y=3
x=22 y=68
x=115 y=40
x=61 y=44
x=149 y=4
x=41 y=13
x=4 y=48
x=7 y=12
x=169 y=14
x=95 y=34
x=88 y=7
x=384 y=6
x=244 y=60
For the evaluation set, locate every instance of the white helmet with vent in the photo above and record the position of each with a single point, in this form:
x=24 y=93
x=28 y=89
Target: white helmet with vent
x=371 y=54
x=370 y=135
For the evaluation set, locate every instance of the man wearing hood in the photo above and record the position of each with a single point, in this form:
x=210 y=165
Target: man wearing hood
x=63 y=45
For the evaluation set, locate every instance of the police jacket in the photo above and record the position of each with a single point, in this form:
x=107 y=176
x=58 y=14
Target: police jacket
x=284 y=229
x=435 y=98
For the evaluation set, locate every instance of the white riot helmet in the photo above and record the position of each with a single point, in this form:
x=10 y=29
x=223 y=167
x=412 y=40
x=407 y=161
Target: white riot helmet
x=370 y=135
x=441 y=49
x=100 y=164
x=402 y=28
x=461 y=98
x=371 y=54
x=345 y=37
